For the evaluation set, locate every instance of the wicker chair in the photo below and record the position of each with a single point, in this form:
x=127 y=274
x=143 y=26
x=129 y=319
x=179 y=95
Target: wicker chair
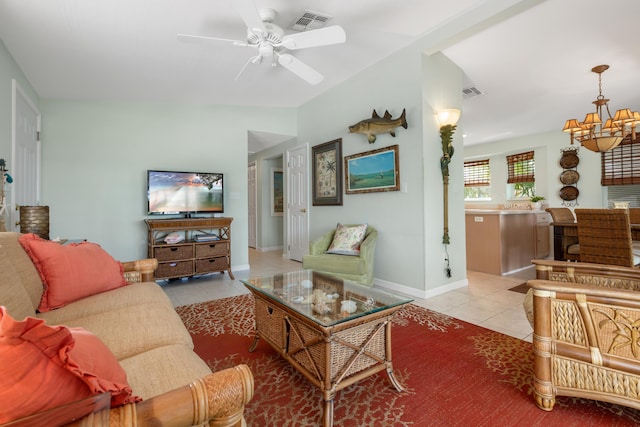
x=605 y=237
x=561 y=214
x=586 y=323
x=634 y=215
x=356 y=268
x=571 y=247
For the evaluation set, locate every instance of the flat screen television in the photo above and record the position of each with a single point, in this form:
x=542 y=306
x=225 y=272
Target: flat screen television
x=170 y=192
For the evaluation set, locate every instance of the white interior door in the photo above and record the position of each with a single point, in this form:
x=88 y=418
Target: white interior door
x=25 y=165
x=297 y=202
x=253 y=204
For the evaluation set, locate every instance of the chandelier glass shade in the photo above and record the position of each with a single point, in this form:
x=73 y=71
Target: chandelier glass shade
x=592 y=133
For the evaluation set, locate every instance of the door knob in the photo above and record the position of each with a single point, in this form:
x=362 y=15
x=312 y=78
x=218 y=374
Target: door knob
x=303 y=210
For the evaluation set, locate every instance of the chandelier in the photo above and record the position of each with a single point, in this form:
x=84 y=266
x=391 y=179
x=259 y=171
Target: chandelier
x=595 y=136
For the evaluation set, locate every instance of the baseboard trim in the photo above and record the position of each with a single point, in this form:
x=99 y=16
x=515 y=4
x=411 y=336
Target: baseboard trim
x=420 y=293
x=240 y=267
x=269 y=249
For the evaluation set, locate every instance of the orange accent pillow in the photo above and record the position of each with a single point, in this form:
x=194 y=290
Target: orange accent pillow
x=71 y=272
x=44 y=366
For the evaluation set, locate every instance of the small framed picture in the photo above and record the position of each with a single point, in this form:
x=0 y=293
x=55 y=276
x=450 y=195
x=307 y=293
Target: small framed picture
x=277 y=192
x=372 y=171
x=327 y=173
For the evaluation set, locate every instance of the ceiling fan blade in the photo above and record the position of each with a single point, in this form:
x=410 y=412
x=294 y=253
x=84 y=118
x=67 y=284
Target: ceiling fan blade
x=321 y=37
x=300 y=69
x=198 y=39
x=249 y=14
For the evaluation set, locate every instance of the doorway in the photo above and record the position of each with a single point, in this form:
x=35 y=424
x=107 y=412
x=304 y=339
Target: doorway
x=25 y=156
x=253 y=205
x=287 y=230
x=297 y=179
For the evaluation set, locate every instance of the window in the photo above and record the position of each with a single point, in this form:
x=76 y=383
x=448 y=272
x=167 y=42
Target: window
x=477 y=180
x=521 y=175
x=621 y=166
x=621 y=173
x=623 y=193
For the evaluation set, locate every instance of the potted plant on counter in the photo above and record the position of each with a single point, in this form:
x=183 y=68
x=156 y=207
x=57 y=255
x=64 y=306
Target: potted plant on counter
x=536 y=202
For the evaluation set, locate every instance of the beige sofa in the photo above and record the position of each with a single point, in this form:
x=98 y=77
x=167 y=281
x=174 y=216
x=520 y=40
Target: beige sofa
x=139 y=325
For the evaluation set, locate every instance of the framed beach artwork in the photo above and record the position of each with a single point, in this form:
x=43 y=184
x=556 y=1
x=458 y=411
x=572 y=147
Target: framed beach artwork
x=327 y=173
x=277 y=192
x=372 y=171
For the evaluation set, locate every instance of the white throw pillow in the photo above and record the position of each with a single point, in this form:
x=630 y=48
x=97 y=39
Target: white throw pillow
x=347 y=239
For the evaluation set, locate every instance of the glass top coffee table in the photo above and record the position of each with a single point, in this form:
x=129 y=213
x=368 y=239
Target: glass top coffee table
x=333 y=331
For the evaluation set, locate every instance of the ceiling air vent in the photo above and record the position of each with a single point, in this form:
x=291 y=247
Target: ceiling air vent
x=310 y=20
x=471 y=92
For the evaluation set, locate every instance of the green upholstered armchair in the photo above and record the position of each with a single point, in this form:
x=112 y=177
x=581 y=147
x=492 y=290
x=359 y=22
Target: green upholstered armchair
x=356 y=268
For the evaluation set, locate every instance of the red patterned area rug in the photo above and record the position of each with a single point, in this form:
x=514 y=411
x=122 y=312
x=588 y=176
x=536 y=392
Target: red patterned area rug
x=455 y=374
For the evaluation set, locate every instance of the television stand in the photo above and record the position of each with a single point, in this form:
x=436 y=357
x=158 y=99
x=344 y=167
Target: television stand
x=205 y=246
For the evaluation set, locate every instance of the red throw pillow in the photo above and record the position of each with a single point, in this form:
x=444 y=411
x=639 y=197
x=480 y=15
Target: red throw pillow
x=71 y=272
x=42 y=367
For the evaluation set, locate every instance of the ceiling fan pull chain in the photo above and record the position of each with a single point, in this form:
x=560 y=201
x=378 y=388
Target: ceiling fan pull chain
x=251 y=60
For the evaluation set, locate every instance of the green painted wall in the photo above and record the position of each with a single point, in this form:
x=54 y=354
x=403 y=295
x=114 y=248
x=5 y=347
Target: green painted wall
x=409 y=222
x=95 y=157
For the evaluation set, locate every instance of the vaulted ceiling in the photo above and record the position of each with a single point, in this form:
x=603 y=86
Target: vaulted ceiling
x=530 y=59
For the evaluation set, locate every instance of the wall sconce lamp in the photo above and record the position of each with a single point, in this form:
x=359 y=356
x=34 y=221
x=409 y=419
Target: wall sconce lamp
x=447 y=119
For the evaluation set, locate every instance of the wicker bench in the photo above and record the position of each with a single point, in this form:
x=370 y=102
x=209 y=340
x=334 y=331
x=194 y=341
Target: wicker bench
x=586 y=321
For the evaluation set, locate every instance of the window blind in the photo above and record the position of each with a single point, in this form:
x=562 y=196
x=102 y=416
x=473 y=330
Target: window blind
x=477 y=173
x=521 y=168
x=621 y=166
x=623 y=193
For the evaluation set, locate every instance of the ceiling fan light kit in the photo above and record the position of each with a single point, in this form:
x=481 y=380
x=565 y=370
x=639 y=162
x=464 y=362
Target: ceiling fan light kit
x=595 y=136
x=272 y=43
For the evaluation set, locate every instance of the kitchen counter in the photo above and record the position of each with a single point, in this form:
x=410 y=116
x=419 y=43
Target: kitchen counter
x=503 y=211
x=502 y=241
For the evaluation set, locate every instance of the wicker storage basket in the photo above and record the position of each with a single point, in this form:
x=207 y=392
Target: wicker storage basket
x=211 y=265
x=35 y=219
x=173 y=253
x=212 y=249
x=271 y=324
x=174 y=269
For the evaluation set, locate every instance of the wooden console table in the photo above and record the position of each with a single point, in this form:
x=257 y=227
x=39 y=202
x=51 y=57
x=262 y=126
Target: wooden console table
x=191 y=256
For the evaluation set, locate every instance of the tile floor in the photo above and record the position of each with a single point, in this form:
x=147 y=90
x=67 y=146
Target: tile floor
x=486 y=302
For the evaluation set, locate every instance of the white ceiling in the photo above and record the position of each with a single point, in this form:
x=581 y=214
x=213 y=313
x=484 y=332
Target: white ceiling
x=530 y=58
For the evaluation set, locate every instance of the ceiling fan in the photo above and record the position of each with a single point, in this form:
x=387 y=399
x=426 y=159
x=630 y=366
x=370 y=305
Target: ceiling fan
x=272 y=44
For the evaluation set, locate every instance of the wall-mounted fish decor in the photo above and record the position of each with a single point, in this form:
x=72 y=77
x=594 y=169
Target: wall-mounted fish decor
x=377 y=125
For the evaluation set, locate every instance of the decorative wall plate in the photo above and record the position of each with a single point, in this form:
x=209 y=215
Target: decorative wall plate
x=569 y=193
x=569 y=177
x=569 y=160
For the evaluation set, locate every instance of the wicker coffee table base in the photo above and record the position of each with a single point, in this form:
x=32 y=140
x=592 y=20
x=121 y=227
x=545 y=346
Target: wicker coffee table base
x=331 y=358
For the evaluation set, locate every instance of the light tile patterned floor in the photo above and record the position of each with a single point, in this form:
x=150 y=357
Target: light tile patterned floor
x=486 y=302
